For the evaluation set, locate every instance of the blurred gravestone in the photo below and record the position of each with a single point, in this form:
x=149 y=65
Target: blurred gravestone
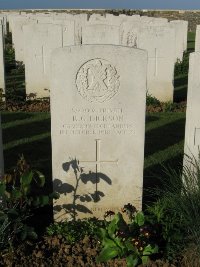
x=2 y=74
x=1 y=151
x=192 y=128
x=39 y=42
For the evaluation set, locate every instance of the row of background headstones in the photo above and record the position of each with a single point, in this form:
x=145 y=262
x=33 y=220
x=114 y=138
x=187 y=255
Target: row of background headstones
x=34 y=38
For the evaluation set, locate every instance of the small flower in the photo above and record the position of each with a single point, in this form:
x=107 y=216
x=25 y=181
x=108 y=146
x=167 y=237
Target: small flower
x=147 y=234
x=141 y=248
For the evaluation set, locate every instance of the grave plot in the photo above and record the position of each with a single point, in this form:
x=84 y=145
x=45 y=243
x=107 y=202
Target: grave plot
x=97 y=111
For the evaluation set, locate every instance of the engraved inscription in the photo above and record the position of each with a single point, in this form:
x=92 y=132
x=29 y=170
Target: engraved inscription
x=97 y=80
x=97 y=121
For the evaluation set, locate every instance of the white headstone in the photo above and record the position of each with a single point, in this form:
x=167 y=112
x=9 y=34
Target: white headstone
x=197 y=39
x=192 y=127
x=1 y=151
x=180 y=35
x=97 y=117
x=185 y=30
x=39 y=42
x=18 y=36
x=2 y=72
x=100 y=34
x=160 y=44
x=3 y=19
x=159 y=41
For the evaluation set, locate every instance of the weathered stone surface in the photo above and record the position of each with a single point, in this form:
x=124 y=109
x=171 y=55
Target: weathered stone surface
x=197 y=39
x=98 y=117
x=39 y=42
x=1 y=151
x=3 y=20
x=159 y=42
x=192 y=128
x=180 y=38
x=100 y=34
x=18 y=36
x=2 y=75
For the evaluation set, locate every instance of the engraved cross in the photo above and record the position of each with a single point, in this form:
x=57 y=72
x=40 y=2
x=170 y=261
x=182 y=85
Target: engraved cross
x=43 y=57
x=155 y=57
x=98 y=160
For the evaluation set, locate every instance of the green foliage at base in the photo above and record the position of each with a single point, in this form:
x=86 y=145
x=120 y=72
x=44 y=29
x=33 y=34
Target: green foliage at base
x=177 y=209
x=151 y=100
x=19 y=196
x=135 y=241
x=74 y=231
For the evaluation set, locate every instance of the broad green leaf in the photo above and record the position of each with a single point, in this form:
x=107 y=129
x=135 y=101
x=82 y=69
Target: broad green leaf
x=39 y=179
x=102 y=233
x=148 y=250
x=107 y=242
x=139 y=218
x=130 y=246
x=107 y=253
x=26 y=178
x=113 y=227
x=145 y=259
x=132 y=260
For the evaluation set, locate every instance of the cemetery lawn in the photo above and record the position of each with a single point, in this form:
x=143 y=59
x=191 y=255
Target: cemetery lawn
x=29 y=133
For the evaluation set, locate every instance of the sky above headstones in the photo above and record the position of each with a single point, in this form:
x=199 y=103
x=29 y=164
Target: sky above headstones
x=129 y=4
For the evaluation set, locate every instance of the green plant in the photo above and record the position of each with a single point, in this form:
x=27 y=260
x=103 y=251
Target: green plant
x=178 y=208
x=181 y=67
x=171 y=225
x=168 y=106
x=19 y=196
x=135 y=240
x=74 y=231
x=151 y=100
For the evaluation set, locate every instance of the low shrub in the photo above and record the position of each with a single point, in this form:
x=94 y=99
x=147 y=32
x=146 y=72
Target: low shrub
x=136 y=240
x=76 y=230
x=181 y=67
x=151 y=100
x=177 y=210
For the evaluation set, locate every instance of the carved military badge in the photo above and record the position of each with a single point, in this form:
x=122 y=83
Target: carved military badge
x=97 y=80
